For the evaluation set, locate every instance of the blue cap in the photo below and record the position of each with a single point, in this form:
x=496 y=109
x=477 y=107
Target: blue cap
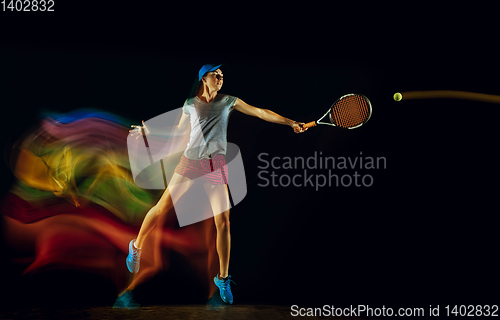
x=207 y=68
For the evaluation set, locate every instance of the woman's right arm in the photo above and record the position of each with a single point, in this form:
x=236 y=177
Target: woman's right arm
x=180 y=129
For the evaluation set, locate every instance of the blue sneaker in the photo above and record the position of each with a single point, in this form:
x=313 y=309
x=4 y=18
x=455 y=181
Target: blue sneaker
x=133 y=258
x=126 y=301
x=225 y=288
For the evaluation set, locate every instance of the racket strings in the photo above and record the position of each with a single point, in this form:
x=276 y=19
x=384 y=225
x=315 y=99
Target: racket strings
x=350 y=111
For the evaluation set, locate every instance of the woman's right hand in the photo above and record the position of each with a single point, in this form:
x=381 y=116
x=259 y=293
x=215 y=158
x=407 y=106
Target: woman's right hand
x=138 y=131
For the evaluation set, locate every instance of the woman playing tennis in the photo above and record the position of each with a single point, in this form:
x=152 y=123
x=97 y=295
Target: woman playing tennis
x=207 y=114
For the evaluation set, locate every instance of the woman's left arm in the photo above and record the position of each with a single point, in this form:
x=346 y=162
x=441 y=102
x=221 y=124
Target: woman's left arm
x=267 y=115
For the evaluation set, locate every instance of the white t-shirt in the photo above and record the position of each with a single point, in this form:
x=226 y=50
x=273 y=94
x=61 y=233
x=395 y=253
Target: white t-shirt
x=209 y=123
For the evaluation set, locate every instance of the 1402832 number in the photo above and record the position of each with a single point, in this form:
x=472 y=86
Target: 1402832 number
x=472 y=310
x=28 y=5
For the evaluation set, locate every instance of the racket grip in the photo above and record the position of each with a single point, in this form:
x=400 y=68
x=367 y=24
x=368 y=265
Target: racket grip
x=310 y=124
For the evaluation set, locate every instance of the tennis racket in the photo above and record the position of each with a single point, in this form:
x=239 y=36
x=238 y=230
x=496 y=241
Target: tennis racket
x=146 y=144
x=350 y=111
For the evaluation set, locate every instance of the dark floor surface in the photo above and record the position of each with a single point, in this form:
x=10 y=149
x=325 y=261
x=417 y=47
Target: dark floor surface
x=234 y=312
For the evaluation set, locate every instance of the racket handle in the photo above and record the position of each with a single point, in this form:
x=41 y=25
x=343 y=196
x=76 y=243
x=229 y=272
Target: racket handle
x=310 y=124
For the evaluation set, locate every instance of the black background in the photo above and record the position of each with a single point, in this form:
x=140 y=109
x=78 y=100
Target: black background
x=424 y=233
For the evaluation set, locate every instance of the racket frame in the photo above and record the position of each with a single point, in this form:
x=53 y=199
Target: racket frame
x=330 y=110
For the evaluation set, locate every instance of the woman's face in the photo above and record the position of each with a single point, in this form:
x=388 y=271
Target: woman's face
x=214 y=80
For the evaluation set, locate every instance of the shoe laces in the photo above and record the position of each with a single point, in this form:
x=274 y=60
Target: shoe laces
x=227 y=282
x=136 y=254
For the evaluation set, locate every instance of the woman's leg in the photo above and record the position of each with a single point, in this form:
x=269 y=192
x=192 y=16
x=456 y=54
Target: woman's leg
x=219 y=200
x=156 y=216
x=149 y=272
x=177 y=186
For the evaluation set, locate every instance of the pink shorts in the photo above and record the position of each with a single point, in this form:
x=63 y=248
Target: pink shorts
x=213 y=171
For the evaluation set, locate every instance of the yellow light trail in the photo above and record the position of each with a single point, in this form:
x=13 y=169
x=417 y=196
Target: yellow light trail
x=450 y=94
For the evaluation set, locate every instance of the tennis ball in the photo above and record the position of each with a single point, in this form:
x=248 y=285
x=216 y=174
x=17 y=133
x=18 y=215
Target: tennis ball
x=398 y=96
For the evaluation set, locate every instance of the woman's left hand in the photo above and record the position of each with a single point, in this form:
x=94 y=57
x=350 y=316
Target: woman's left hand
x=298 y=127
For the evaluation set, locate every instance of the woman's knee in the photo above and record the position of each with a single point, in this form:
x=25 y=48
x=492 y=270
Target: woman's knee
x=162 y=208
x=222 y=222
